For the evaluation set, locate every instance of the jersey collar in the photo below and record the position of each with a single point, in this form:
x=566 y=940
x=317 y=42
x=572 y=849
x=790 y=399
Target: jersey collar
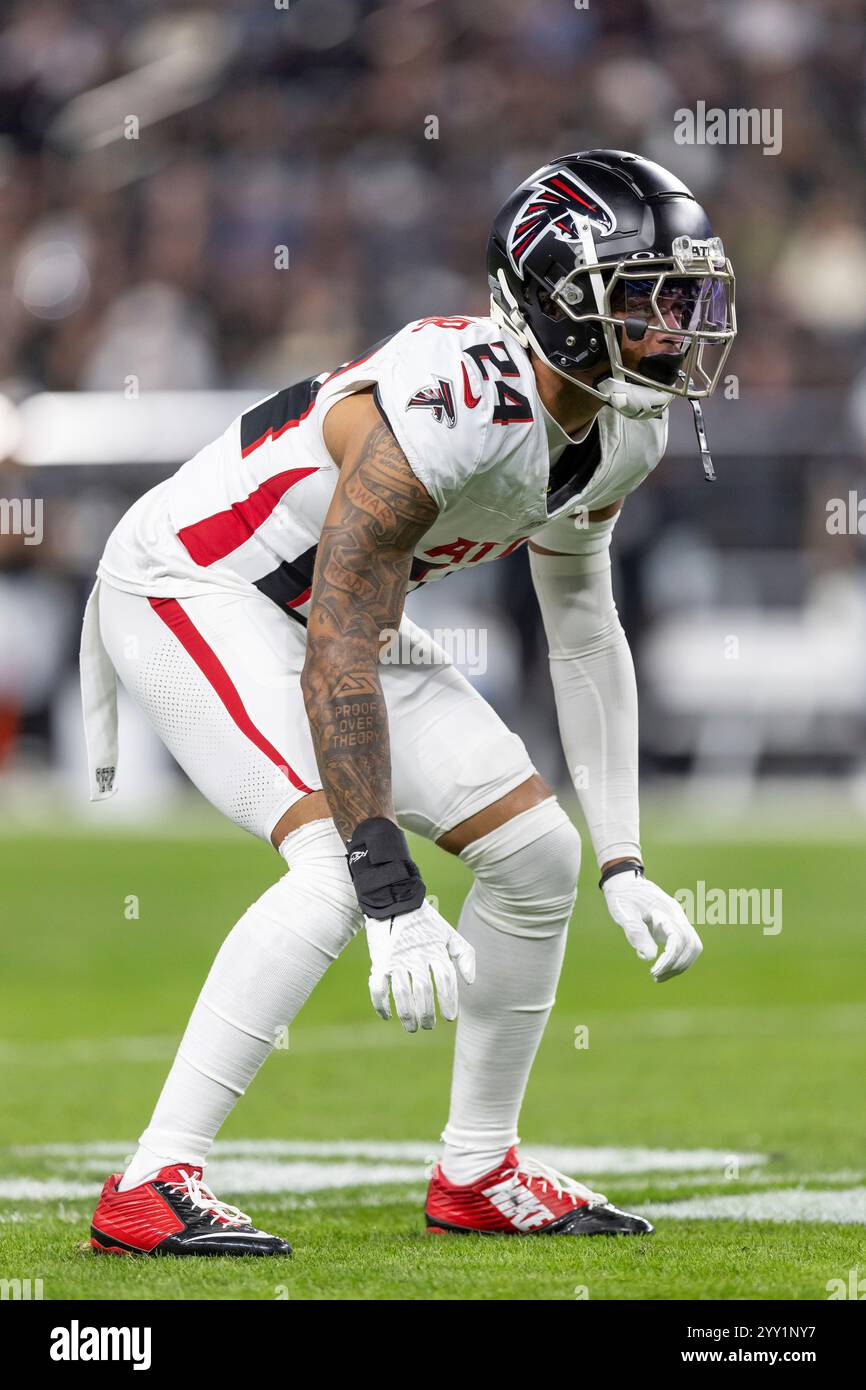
x=557 y=439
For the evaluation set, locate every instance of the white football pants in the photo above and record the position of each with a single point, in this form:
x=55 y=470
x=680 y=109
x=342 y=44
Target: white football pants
x=218 y=676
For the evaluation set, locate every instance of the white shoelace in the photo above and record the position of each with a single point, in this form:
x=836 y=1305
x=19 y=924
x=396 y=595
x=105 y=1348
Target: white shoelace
x=551 y=1177
x=201 y=1196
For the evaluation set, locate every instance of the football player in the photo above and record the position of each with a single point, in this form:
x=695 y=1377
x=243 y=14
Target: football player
x=244 y=604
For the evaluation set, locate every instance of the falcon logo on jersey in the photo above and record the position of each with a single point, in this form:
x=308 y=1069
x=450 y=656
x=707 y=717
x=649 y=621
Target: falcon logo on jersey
x=555 y=203
x=438 y=398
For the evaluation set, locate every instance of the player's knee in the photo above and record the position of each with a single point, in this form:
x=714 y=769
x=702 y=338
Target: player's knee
x=527 y=869
x=319 y=878
x=561 y=851
x=316 y=857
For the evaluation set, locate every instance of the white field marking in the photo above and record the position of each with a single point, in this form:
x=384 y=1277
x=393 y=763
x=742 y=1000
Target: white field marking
x=723 y=1021
x=338 y=1201
x=348 y=1038
x=255 y=1153
x=250 y=1166
x=746 y=1178
x=638 y=1160
x=45 y=1189
x=243 y=1177
x=258 y=1176
x=846 y=1205
x=321 y=1201
x=843 y=1205
x=104 y=1148
x=52 y=1052
x=356 y=1037
x=329 y=1167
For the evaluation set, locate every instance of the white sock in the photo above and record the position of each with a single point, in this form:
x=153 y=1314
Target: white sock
x=516 y=915
x=144 y=1165
x=263 y=973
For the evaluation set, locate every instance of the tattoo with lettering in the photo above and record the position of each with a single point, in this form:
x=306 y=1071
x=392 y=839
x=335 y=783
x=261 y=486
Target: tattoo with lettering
x=378 y=514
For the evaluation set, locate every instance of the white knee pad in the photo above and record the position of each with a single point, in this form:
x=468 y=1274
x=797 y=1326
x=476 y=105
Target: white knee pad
x=319 y=875
x=526 y=871
x=285 y=941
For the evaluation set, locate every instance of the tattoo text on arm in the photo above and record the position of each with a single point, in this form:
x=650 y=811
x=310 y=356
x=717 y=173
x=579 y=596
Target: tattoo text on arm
x=379 y=513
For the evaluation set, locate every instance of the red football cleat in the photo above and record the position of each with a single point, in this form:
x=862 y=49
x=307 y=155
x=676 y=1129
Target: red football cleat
x=175 y=1214
x=525 y=1197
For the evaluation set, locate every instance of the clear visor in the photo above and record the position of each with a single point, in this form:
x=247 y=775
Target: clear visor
x=684 y=318
x=669 y=302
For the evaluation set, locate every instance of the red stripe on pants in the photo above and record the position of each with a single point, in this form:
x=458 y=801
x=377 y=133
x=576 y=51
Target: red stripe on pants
x=207 y=661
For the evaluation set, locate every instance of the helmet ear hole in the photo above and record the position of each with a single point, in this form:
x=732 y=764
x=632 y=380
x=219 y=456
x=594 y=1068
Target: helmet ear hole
x=548 y=308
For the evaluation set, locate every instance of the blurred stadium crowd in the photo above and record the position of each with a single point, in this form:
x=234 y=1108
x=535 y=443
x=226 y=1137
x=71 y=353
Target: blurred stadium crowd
x=154 y=157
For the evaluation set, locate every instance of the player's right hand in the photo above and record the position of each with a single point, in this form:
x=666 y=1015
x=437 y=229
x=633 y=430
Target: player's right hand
x=408 y=950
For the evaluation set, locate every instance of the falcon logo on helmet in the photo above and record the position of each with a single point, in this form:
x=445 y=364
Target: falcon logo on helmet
x=555 y=203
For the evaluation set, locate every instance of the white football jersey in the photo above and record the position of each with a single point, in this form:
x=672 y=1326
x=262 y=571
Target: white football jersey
x=460 y=397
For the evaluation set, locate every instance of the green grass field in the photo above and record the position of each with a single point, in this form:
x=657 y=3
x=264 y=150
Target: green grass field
x=726 y=1104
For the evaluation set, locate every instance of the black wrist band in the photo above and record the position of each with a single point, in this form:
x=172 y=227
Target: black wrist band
x=624 y=866
x=386 y=880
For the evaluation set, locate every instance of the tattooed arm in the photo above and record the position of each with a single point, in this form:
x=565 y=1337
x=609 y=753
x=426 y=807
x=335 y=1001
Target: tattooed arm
x=377 y=515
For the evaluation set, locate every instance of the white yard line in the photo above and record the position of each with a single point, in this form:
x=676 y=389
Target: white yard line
x=50 y=1052
x=847 y=1205
x=843 y=1205
x=848 y=1019
x=45 y=1189
x=289 y=1171
x=254 y=1158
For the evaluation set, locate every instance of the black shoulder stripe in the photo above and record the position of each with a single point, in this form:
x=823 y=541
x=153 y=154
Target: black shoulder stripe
x=277 y=412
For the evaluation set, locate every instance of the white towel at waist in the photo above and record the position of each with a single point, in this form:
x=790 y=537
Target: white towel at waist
x=99 y=703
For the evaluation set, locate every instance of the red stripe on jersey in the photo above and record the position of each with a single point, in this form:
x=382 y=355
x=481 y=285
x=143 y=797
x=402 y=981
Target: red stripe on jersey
x=302 y=598
x=271 y=433
x=216 y=536
x=207 y=661
x=358 y=362
x=468 y=398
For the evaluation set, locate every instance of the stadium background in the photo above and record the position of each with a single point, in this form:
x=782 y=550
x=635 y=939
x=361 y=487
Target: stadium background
x=148 y=264
x=136 y=266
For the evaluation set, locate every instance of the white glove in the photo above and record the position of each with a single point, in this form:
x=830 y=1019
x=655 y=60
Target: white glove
x=405 y=951
x=650 y=918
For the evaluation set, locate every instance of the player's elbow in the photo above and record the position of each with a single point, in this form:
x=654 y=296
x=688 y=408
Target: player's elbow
x=318 y=661
x=600 y=638
x=335 y=664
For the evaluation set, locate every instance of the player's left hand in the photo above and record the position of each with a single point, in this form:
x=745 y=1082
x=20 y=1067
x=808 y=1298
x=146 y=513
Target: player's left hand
x=650 y=918
x=405 y=952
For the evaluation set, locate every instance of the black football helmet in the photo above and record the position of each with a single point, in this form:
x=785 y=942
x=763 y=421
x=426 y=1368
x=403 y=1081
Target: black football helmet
x=601 y=244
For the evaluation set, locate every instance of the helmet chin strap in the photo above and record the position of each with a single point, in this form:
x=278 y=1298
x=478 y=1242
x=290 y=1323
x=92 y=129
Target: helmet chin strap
x=634 y=401
x=510 y=318
x=703 y=442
